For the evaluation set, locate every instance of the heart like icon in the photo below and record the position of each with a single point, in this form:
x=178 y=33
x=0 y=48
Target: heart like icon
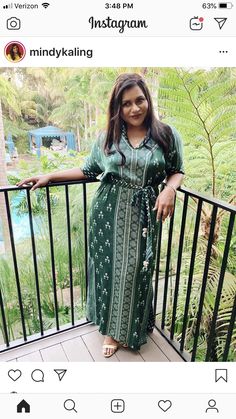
x=164 y=405
x=14 y=374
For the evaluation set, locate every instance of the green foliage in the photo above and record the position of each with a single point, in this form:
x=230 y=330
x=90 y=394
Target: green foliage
x=202 y=105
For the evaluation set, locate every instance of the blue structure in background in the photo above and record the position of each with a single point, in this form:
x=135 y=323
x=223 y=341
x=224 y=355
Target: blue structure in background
x=10 y=145
x=36 y=138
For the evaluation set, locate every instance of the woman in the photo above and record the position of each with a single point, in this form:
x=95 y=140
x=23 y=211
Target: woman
x=14 y=53
x=134 y=156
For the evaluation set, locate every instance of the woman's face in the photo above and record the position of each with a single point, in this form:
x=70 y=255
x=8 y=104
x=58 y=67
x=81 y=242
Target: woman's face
x=134 y=107
x=15 y=49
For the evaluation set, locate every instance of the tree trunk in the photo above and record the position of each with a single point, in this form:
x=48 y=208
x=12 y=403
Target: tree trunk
x=3 y=182
x=97 y=112
x=205 y=226
x=153 y=81
x=78 y=138
x=85 y=122
x=90 y=119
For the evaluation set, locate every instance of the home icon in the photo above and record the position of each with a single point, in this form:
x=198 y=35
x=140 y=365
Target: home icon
x=23 y=407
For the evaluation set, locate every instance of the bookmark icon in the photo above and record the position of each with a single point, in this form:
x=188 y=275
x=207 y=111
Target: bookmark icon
x=221 y=375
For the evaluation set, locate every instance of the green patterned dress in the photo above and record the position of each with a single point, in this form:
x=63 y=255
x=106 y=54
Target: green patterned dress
x=123 y=233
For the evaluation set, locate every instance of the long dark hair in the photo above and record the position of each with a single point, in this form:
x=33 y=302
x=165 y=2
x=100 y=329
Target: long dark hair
x=160 y=132
x=12 y=53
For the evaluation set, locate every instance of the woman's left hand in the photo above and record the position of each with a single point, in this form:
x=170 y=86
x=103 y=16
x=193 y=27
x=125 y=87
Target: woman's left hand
x=165 y=204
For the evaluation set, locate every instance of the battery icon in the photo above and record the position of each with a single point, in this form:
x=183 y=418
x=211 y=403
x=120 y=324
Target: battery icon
x=227 y=5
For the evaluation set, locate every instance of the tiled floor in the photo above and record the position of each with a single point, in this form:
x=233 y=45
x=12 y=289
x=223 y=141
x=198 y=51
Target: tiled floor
x=84 y=344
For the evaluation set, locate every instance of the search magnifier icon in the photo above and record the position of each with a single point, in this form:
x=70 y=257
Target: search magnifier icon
x=69 y=405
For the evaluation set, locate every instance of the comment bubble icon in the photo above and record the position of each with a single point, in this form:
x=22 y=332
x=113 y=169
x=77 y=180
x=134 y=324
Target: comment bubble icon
x=37 y=376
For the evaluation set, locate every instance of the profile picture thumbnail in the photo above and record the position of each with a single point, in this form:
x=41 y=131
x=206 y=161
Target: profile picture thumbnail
x=14 y=51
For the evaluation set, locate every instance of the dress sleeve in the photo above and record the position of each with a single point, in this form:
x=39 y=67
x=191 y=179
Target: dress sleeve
x=93 y=163
x=174 y=160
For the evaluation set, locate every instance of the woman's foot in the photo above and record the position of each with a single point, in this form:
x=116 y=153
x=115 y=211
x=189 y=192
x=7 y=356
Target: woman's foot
x=109 y=347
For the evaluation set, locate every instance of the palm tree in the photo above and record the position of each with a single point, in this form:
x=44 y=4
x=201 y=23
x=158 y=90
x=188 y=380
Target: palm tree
x=3 y=182
x=7 y=97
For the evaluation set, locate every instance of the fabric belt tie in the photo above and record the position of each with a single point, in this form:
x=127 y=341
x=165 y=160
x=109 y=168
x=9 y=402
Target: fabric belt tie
x=144 y=198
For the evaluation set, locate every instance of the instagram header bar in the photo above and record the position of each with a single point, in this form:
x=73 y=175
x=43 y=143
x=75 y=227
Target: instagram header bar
x=118 y=19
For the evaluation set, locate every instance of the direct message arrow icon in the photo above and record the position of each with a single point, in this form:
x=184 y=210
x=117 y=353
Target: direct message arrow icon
x=60 y=373
x=221 y=21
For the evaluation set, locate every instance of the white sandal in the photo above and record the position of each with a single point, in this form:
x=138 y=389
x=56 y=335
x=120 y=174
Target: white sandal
x=109 y=346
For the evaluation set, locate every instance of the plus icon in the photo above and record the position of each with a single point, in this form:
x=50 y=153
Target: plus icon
x=117 y=406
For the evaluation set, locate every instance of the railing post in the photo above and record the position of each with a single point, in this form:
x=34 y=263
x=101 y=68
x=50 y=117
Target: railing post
x=35 y=261
x=70 y=255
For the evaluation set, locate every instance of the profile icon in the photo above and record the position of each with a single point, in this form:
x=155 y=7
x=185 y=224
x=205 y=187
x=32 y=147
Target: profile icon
x=212 y=406
x=14 y=51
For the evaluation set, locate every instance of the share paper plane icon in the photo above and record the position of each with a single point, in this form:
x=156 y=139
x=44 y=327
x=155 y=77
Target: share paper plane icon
x=221 y=21
x=60 y=373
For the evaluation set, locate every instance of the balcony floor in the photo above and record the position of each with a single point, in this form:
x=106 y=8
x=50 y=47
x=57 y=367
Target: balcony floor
x=83 y=344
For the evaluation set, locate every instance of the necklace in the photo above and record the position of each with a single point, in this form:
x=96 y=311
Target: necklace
x=136 y=143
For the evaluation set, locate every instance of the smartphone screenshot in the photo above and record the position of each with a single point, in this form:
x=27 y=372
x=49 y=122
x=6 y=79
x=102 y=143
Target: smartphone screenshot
x=117 y=209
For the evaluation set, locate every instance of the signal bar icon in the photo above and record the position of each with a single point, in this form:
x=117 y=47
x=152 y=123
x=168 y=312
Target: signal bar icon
x=8 y=6
x=45 y=5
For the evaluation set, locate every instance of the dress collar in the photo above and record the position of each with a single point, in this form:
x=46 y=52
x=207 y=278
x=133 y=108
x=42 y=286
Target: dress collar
x=143 y=142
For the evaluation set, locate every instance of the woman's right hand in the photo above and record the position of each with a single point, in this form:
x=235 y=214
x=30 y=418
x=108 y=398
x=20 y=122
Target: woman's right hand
x=38 y=181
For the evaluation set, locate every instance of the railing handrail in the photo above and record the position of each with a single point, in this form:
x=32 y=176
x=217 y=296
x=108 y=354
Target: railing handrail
x=214 y=201
x=210 y=200
x=61 y=183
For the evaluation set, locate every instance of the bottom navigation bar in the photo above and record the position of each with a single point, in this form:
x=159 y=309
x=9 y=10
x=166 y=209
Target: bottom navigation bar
x=182 y=406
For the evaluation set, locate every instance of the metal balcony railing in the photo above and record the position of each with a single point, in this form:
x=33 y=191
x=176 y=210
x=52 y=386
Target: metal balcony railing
x=189 y=313
x=217 y=339
x=59 y=327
